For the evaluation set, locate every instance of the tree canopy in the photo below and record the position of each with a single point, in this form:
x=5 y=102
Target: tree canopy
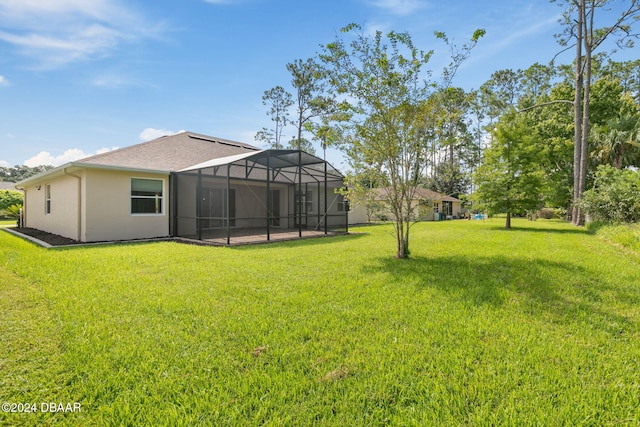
x=510 y=179
x=20 y=172
x=523 y=140
x=382 y=80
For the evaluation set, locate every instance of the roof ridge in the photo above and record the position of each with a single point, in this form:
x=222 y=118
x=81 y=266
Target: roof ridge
x=221 y=141
x=193 y=135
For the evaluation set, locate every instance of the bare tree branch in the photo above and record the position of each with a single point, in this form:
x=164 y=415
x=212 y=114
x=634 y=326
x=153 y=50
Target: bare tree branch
x=544 y=104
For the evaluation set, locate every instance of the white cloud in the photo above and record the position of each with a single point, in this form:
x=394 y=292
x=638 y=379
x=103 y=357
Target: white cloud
x=119 y=80
x=4 y=164
x=400 y=7
x=62 y=31
x=372 y=28
x=4 y=81
x=150 y=133
x=112 y=81
x=526 y=31
x=23 y=9
x=46 y=158
x=495 y=45
x=106 y=149
x=70 y=155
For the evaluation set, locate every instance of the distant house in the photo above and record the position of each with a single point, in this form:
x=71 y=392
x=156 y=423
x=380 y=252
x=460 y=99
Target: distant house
x=186 y=185
x=428 y=206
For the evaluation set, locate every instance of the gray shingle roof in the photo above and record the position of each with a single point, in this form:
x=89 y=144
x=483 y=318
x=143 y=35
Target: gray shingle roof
x=6 y=185
x=421 y=193
x=169 y=153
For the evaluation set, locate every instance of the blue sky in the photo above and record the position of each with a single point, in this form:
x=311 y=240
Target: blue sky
x=78 y=77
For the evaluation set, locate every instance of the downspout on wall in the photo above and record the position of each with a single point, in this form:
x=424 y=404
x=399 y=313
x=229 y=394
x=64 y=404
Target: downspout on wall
x=79 y=225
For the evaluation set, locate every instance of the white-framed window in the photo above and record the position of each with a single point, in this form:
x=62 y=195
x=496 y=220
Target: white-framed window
x=447 y=208
x=146 y=196
x=304 y=200
x=47 y=199
x=436 y=207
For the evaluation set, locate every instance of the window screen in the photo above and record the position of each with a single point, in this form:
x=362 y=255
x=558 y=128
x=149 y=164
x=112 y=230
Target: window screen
x=146 y=196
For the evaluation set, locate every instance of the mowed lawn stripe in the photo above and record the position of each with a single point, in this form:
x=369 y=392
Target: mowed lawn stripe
x=31 y=365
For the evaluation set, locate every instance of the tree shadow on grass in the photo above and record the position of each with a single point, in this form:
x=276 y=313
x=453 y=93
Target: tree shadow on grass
x=310 y=241
x=561 y=291
x=540 y=230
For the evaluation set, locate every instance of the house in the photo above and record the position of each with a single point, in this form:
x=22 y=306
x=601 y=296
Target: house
x=187 y=185
x=6 y=185
x=429 y=206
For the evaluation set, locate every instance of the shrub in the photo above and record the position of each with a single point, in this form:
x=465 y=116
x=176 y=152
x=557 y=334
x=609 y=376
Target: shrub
x=10 y=198
x=626 y=235
x=546 y=213
x=615 y=196
x=11 y=212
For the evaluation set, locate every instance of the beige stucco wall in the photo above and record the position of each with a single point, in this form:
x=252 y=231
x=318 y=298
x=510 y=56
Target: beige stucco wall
x=108 y=208
x=63 y=218
x=358 y=215
x=95 y=205
x=456 y=208
x=426 y=212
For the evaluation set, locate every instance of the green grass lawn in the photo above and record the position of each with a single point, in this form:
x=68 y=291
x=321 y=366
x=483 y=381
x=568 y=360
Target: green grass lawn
x=625 y=236
x=539 y=325
x=7 y=222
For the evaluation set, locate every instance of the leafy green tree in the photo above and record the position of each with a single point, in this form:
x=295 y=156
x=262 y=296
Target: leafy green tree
x=615 y=196
x=328 y=131
x=308 y=79
x=454 y=145
x=384 y=87
x=382 y=79
x=579 y=19
x=279 y=101
x=477 y=114
x=449 y=179
x=616 y=142
x=11 y=212
x=536 y=82
x=503 y=90
x=20 y=172
x=628 y=74
x=10 y=197
x=554 y=126
x=510 y=180
x=615 y=119
x=302 y=144
x=611 y=117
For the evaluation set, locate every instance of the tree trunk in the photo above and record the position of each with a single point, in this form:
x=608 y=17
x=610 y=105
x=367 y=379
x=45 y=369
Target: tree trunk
x=577 y=118
x=299 y=131
x=584 y=143
x=508 y=223
x=402 y=238
x=403 y=248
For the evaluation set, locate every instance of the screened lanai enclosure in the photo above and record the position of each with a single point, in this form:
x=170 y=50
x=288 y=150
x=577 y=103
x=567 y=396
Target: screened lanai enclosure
x=258 y=196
